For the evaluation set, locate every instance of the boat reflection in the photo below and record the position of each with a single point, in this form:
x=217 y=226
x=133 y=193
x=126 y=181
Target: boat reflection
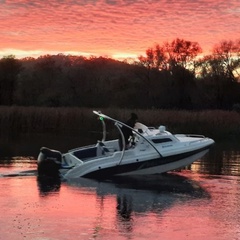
x=149 y=193
x=48 y=185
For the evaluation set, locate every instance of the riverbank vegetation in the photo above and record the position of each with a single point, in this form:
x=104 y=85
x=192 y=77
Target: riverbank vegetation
x=218 y=124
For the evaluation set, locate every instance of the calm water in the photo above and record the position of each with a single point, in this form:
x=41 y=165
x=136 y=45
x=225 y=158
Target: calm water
x=199 y=202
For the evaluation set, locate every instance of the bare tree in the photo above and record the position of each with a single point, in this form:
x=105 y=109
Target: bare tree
x=227 y=54
x=155 y=58
x=182 y=52
x=179 y=52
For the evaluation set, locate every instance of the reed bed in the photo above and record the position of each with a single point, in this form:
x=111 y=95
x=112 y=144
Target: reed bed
x=220 y=125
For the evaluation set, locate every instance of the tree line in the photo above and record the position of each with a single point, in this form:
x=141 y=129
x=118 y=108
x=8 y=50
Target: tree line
x=173 y=75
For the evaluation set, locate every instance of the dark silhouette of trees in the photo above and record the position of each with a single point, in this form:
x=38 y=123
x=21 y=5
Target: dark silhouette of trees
x=182 y=53
x=9 y=70
x=220 y=74
x=177 y=53
x=227 y=54
x=171 y=75
x=155 y=58
x=176 y=58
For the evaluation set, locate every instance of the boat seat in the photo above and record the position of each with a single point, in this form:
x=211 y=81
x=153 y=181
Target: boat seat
x=83 y=154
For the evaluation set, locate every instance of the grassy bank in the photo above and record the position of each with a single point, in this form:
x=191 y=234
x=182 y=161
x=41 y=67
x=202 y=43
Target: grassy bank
x=217 y=124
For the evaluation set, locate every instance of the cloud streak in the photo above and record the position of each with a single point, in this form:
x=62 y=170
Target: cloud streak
x=108 y=27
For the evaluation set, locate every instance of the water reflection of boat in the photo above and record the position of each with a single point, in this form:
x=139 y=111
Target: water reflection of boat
x=48 y=185
x=153 y=151
x=144 y=193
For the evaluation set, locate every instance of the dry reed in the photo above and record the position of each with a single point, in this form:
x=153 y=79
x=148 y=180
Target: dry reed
x=21 y=120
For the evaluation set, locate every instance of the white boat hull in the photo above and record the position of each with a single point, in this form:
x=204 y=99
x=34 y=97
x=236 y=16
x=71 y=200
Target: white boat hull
x=108 y=167
x=167 y=167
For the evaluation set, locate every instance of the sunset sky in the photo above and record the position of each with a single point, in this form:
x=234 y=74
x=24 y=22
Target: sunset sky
x=114 y=28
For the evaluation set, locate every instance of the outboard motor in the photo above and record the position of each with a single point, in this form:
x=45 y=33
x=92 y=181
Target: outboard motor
x=49 y=162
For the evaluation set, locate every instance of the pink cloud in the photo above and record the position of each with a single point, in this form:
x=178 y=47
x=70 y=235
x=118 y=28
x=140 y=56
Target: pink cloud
x=115 y=26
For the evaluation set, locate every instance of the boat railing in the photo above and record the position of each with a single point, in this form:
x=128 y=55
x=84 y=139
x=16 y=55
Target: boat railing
x=190 y=135
x=195 y=135
x=200 y=138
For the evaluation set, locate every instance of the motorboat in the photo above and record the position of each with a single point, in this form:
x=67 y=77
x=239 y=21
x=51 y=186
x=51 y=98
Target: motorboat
x=152 y=150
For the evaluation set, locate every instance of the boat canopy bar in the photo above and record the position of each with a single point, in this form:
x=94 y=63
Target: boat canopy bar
x=117 y=122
